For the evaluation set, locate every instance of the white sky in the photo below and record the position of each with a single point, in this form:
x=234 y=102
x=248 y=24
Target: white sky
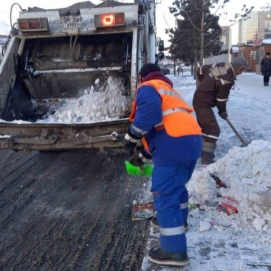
x=164 y=18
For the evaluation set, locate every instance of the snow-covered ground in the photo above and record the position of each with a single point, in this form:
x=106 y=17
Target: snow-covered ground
x=240 y=241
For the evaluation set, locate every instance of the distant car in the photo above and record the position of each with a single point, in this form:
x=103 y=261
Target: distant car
x=164 y=69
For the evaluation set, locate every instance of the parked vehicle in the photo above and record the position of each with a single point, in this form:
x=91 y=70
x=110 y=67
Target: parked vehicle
x=164 y=69
x=59 y=54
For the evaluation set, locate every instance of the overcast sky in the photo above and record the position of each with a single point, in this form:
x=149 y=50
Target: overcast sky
x=164 y=18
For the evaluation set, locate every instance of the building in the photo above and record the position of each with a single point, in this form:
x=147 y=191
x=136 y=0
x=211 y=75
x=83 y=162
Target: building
x=261 y=46
x=226 y=38
x=264 y=25
x=257 y=26
x=255 y=37
x=248 y=29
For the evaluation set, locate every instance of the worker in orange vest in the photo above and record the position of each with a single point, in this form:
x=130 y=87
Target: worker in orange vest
x=172 y=139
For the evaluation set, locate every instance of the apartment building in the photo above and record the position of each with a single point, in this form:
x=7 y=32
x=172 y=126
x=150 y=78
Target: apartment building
x=226 y=38
x=255 y=36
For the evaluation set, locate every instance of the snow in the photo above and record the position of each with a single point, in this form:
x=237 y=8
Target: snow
x=266 y=41
x=91 y=107
x=246 y=172
x=239 y=241
x=5 y=136
x=107 y=104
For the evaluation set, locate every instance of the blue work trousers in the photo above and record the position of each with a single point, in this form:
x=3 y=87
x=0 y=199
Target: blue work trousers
x=171 y=203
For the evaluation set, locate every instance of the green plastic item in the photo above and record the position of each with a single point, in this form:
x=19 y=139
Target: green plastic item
x=145 y=170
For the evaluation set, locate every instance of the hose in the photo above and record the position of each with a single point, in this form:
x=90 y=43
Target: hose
x=10 y=14
x=72 y=47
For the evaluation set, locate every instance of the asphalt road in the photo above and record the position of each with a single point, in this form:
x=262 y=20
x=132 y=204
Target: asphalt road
x=69 y=211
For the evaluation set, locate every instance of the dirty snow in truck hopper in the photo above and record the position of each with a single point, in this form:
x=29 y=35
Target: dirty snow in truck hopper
x=91 y=107
x=98 y=103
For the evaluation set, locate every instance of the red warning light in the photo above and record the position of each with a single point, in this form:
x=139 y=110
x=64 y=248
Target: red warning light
x=107 y=19
x=110 y=20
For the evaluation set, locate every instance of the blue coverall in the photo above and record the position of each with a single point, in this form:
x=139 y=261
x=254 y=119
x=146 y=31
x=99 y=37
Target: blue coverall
x=174 y=160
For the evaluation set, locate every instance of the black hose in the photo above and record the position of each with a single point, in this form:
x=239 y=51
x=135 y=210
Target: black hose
x=72 y=47
x=11 y=13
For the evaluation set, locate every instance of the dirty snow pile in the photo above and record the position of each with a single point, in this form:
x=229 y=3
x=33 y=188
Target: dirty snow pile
x=93 y=106
x=247 y=175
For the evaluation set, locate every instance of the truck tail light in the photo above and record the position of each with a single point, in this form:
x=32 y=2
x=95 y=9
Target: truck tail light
x=35 y=24
x=23 y=25
x=119 y=18
x=109 y=20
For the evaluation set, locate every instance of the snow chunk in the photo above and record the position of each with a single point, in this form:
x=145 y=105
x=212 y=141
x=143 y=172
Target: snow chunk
x=204 y=226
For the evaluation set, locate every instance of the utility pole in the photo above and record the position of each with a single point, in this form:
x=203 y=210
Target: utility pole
x=202 y=32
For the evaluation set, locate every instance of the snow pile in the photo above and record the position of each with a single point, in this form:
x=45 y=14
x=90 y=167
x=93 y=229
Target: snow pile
x=93 y=106
x=247 y=175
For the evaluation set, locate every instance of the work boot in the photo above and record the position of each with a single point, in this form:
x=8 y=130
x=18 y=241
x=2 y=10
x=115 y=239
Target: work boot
x=207 y=154
x=159 y=256
x=207 y=158
x=154 y=223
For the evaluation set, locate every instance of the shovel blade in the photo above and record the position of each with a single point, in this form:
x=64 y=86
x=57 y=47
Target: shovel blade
x=144 y=170
x=245 y=144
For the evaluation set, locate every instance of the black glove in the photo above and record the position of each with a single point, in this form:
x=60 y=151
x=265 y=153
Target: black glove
x=129 y=143
x=223 y=115
x=143 y=154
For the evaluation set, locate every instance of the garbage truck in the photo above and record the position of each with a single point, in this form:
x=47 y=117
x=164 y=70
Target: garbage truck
x=68 y=75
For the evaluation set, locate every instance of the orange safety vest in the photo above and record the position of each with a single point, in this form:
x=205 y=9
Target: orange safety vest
x=177 y=119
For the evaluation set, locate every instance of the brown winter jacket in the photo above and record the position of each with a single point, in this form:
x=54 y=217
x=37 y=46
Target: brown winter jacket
x=216 y=81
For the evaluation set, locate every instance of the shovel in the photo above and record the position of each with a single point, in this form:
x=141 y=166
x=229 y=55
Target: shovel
x=244 y=144
x=144 y=170
x=135 y=166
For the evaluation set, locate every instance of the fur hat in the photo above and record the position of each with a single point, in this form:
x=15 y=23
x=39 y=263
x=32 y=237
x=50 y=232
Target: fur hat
x=267 y=54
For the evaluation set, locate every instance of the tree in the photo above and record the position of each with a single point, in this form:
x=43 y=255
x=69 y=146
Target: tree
x=197 y=33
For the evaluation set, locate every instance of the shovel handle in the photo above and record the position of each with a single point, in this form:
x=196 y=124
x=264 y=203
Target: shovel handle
x=235 y=131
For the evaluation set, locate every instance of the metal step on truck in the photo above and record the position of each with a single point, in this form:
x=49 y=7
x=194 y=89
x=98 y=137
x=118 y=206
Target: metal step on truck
x=68 y=75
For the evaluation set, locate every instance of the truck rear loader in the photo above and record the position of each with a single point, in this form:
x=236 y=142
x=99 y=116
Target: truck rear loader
x=84 y=58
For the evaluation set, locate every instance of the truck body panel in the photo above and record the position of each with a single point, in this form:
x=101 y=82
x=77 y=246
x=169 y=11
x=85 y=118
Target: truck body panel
x=63 y=54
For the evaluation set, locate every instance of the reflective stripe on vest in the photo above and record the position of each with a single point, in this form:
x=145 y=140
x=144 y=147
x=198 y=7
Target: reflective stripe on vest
x=184 y=205
x=174 y=110
x=168 y=92
x=172 y=231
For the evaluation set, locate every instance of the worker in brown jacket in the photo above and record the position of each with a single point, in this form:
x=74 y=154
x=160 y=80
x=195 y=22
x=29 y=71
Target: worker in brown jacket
x=216 y=81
